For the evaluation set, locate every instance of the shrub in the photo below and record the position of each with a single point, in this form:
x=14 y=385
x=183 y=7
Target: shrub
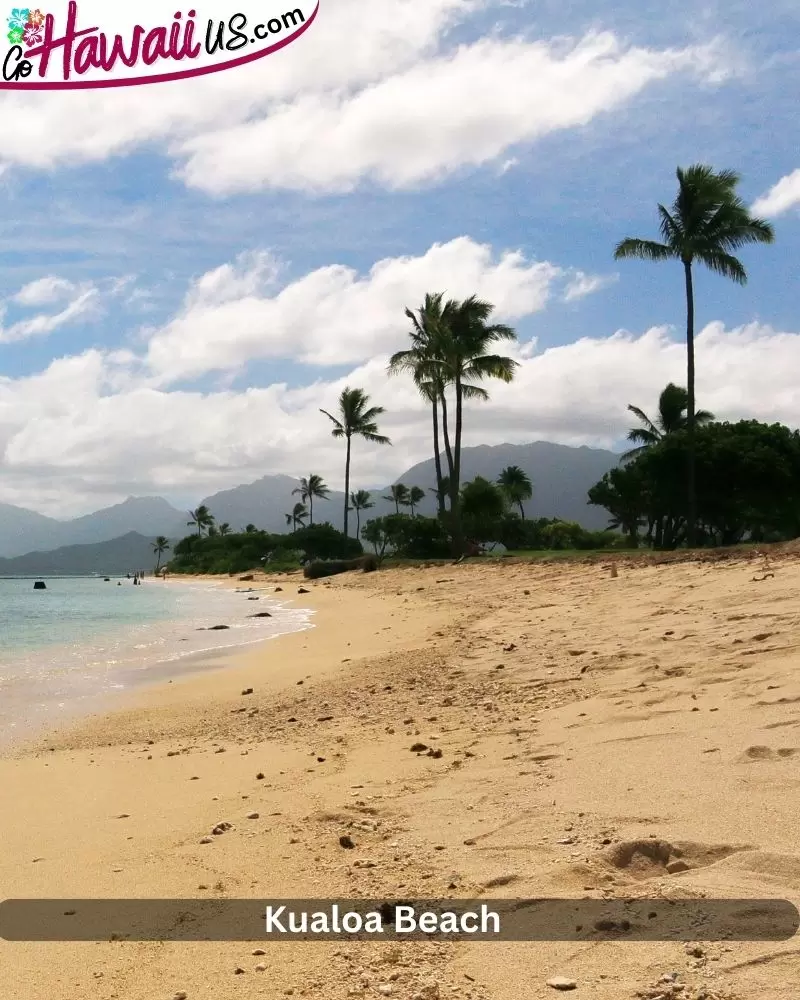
x=323 y=541
x=317 y=570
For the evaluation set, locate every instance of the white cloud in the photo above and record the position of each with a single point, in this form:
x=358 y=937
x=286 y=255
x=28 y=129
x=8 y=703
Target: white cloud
x=44 y=291
x=781 y=197
x=587 y=284
x=464 y=108
x=332 y=315
x=84 y=303
x=369 y=93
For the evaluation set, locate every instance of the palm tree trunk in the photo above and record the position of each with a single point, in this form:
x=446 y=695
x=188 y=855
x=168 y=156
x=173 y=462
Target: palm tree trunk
x=358 y=522
x=446 y=436
x=310 y=508
x=691 y=498
x=455 y=483
x=521 y=510
x=347 y=485
x=437 y=458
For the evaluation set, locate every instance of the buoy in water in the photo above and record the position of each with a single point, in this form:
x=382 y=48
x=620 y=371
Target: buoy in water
x=40 y=585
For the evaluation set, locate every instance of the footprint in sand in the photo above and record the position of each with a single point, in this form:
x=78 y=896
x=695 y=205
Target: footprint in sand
x=758 y=753
x=651 y=858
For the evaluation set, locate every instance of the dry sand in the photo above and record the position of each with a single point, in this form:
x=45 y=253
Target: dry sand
x=575 y=713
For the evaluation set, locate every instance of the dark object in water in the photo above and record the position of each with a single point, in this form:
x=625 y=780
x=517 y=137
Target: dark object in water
x=107 y=579
x=368 y=564
x=40 y=585
x=261 y=614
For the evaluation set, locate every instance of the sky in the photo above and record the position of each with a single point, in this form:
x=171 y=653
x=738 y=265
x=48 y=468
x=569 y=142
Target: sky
x=192 y=269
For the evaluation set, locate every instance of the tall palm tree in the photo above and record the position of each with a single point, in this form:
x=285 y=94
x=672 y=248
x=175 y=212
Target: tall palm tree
x=361 y=500
x=672 y=405
x=421 y=363
x=707 y=222
x=313 y=486
x=462 y=345
x=415 y=497
x=160 y=546
x=398 y=495
x=355 y=418
x=224 y=529
x=297 y=517
x=442 y=492
x=202 y=519
x=516 y=486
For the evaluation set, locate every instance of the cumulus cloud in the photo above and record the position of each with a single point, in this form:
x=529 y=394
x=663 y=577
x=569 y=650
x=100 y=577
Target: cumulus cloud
x=587 y=284
x=333 y=315
x=464 y=108
x=43 y=291
x=369 y=93
x=781 y=197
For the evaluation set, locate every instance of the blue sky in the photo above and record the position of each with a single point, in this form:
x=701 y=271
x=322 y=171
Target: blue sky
x=134 y=221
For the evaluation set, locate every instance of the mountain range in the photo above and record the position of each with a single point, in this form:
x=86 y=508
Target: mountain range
x=561 y=476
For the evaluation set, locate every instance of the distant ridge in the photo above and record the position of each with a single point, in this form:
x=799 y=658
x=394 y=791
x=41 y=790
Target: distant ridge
x=129 y=553
x=561 y=476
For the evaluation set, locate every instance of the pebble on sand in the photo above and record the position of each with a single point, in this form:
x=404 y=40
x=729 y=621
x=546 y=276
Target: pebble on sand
x=346 y=842
x=562 y=983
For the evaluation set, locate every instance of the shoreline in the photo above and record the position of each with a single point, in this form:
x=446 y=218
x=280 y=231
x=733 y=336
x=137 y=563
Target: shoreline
x=138 y=663
x=577 y=716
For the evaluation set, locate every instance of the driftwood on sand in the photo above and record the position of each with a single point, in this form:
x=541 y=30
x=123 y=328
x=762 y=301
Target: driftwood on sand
x=332 y=567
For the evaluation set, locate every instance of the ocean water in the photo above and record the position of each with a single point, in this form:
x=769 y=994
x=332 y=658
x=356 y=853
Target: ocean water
x=67 y=650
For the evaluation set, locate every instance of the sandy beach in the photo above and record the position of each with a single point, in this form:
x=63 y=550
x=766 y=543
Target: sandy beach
x=579 y=715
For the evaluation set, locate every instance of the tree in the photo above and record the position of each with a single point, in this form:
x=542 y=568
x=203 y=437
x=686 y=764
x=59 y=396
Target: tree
x=516 y=486
x=421 y=363
x=461 y=345
x=376 y=534
x=482 y=505
x=224 y=529
x=298 y=516
x=313 y=486
x=415 y=497
x=398 y=495
x=355 y=418
x=160 y=546
x=442 y=492
x=360 y=500
x=622 y=492
x=672 y=406
x=707 y=222
x=250 y=529
x=202 y=519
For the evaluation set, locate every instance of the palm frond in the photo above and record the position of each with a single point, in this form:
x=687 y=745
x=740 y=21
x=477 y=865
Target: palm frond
x=643 y=250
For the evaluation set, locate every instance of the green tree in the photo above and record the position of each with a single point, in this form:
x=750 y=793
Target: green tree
x=312 y=486
x=482 y=506
x=462 y=345
x=442 y=493
x=297 y=518
x=420 y=361
x=160 y=546
x=707 y=223
x=672 y=405
x=415 y=497
x=202 y=519
x=360 y=500
x=355 y=418
x=516 y=486
x=224 y=529
x=250 y=529
x=398 y=495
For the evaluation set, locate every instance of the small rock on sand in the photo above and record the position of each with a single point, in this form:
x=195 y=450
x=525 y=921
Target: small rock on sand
x=346 y=842
x=253 y=815
x=261 y=968
x=259 y=951
x=181 y=996
x=418 y=747
x=562 y=983
x=207 y=840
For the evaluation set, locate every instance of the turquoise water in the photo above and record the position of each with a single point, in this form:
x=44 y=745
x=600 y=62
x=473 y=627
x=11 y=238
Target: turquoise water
x=66 y=649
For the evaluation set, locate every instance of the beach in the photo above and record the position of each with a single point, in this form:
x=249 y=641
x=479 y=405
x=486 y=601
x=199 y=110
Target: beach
x=565 y=719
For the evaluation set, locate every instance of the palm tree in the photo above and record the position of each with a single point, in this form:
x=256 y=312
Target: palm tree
x=160 y=546
x=415 y=497
x=297 y=516
x=398 y=495
x=672 y=406
x=250 y=529
x=461 y=347
x=516 y=486
x=224 y=529
x=313 y=486
x=355 y=418
x=421 y=363
x=707 y=222
x=442 y=492
x=202 y=519
x=361 y=500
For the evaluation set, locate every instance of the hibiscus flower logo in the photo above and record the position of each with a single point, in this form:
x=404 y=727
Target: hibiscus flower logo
x=33 y=34
x=36 y=19
x=25 y=26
